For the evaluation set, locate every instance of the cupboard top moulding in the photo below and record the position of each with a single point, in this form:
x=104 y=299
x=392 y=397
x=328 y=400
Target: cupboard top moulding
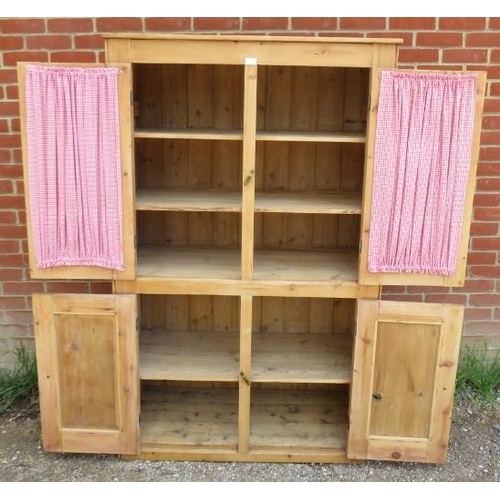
x=233 y=49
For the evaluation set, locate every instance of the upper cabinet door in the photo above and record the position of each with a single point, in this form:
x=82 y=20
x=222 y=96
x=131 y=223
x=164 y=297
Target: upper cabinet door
x=403 y=380
x=421 y=157
x=76 y=129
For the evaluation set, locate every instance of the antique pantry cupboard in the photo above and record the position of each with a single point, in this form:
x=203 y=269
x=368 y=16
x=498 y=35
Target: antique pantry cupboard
x=246 y=325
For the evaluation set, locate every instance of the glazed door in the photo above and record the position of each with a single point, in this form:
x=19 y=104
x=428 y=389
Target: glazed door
x=404 y=368
x=87 y=355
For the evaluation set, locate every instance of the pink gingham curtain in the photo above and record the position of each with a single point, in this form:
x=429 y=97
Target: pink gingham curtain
x=73 y=143
x=421 y=166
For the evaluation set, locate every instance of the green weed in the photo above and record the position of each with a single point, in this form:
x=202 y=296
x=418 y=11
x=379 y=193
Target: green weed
x=20 y=381
x=478 y=375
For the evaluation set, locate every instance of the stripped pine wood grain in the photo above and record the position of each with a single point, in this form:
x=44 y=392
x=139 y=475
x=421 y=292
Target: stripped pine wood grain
x=87 y=361
x=248 y=168
x=330 y=98
x=206 y=263
x=149 y=157
x=189 y=355
x=301 y=358
x=245 y=373
x=189 y=417
x=317 y=266
x=195 y=49
x=405 y=361
x=301 y=419
x=184 y=200
x=216 y=200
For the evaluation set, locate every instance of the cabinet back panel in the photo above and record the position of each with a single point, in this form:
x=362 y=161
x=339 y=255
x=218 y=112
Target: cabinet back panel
x=269 y=314
x=312 y=99
x=183 y=163
x=303 y=315
x=288 y=98
x=188 y=96
x=308 y=166
x=190 y=313
x=214 y=229
x=306 y=231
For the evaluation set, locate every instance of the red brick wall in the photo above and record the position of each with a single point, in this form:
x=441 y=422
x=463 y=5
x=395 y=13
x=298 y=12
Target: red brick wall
x=429 y=43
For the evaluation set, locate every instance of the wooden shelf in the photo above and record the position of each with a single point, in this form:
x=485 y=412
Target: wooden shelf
x=194 y=356
x=187 y=417
x=301 y=357
x=276 y=357
x=305 y=419
x=184 y=200
x=237 y=135
x=204 y=264
x=182 y=417
x=208 y=134
x=281 y=265
x=286 y=136
x=309 y=203
x=187 y=200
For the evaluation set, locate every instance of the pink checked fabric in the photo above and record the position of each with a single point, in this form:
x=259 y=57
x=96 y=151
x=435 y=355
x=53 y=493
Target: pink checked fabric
x=74 y=166
x=421 y=166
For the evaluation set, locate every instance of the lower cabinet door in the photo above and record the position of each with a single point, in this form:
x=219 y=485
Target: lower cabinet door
x=87 y=356
x=404 y=369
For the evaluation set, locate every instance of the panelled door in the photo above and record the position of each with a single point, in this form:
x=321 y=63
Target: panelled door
x=404 y=368
x=405 y=210
x=124 y=82
x=87 y=355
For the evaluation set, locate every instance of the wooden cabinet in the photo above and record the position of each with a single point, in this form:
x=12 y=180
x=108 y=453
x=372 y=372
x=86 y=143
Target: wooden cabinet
x=261 y=335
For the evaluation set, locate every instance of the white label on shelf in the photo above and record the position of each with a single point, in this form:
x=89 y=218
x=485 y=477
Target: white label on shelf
x=250 y=60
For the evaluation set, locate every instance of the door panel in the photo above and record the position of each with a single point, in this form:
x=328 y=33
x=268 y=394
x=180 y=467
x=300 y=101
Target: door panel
x=87 y=358
x=405 y=278
x=403 y=379
x=128 y=189
x=404 y=368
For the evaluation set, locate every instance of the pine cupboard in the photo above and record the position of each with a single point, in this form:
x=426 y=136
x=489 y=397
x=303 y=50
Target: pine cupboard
x=246 y=326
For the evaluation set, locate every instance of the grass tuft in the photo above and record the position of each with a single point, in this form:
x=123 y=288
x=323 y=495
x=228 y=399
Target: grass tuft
x=20 y=381
x=479 y=376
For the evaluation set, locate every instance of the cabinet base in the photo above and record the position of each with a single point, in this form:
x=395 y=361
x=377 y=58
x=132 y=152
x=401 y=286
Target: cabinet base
x=286 y=425
x=285 y=456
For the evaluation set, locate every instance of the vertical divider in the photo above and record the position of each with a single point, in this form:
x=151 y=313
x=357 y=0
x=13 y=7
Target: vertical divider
x=245 y=373
x=247 y=247
x=368 y=174
x=248 y=177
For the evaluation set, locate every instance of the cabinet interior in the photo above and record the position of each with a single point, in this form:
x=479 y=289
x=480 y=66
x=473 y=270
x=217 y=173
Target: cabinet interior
x=308 y=176
x=191 y=359
x=309 y=163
